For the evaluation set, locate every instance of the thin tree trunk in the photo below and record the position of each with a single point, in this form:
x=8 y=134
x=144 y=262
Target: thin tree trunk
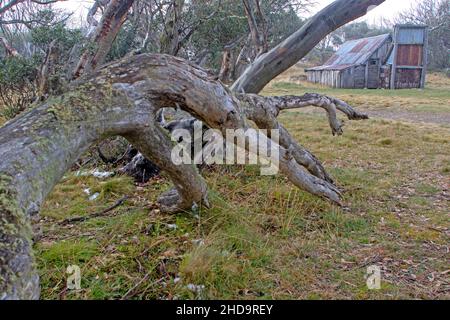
x=225 y=68
x=103 y=37
x=10 y=51
x=47 y=70
x=257 y=26
x=170 y=40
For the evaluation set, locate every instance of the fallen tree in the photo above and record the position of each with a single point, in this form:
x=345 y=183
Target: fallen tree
x=267 y=64
x=38 y=147
x=122 y=99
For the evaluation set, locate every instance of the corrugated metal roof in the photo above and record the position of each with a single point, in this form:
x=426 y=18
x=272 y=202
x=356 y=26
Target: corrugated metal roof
x=352 y=53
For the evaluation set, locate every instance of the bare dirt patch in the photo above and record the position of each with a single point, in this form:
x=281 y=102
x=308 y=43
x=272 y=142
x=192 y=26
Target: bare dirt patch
x=410 y=116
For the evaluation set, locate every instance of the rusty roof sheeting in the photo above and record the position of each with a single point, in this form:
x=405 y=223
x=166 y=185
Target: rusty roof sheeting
x=353 y=53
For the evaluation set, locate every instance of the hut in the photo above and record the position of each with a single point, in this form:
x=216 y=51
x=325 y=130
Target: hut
x=385 y=61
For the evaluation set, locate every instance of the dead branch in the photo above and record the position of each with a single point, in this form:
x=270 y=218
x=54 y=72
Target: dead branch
x=118 y=203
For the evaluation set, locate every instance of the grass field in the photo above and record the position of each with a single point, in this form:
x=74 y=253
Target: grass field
x=265 y=239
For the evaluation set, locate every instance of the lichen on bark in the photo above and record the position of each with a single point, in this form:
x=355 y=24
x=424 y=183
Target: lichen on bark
x=17 y=278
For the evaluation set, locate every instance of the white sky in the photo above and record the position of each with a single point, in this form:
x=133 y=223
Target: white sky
x=389 y=9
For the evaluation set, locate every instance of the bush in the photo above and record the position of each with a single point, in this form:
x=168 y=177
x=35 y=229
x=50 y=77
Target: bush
x=17 y=85
x=42 y=36
x=19 y=75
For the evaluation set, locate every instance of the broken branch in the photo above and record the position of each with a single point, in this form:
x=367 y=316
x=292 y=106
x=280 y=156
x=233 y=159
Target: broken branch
x=118 y=203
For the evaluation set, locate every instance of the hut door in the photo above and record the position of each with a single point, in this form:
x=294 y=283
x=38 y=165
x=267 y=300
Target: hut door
x=373 y=81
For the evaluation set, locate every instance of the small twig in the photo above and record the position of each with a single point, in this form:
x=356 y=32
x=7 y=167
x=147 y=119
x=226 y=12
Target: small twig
x=437 y=230
x=130 y=293
x=95 y=215
x=372 y=261
x=125 y=296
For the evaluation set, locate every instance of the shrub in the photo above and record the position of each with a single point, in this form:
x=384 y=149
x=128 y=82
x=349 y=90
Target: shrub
x=17 y=85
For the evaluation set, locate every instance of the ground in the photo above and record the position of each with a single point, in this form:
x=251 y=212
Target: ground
x=265 y=239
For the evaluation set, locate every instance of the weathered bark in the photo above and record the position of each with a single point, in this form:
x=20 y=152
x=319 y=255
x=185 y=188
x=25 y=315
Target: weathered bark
x=269 y=64
x=123 y=98
x=170 y=40
x=257 y=26
x=103 y=37
x=300 y=43
x=93 y=11
x=226 y=66
x=46 y=81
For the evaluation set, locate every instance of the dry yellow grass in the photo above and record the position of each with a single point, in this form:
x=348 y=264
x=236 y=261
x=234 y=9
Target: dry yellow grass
x=431 y=105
